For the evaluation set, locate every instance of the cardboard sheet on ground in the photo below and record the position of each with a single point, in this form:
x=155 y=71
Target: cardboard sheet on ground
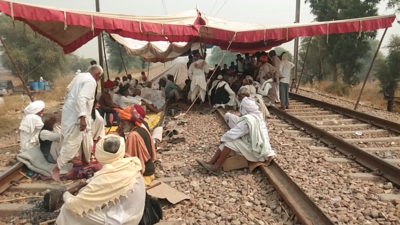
x=164 y=191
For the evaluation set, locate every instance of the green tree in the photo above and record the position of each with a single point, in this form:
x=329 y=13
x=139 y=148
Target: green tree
x=366 y=61
x=280 y=50
x=394 y=4
x=344 y=50
x=76 y=62
x=388 y=70
x=114 y=50
x=31 y=52
x=216 y=55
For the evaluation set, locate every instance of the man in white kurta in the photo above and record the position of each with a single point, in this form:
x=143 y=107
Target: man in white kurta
x=76 y=120
x=155 y=96
x=248 y=136
x=276 y=62
x=197 y=74
x=216 y=85
x=115 y=195
x=31 y=125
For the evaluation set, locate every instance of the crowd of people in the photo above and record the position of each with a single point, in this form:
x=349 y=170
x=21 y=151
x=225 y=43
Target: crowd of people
x=127 y=156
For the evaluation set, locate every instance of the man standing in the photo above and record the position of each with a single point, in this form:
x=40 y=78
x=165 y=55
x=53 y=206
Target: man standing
x=77 y=116
x=197 y=74
x=276 y=62
x=92 y=63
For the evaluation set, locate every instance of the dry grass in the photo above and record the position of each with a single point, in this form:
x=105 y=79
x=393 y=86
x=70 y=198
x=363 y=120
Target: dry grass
x=11 y=112
x=370 y=96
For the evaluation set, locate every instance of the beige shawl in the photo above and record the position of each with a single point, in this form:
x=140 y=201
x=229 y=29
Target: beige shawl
x=114 y=180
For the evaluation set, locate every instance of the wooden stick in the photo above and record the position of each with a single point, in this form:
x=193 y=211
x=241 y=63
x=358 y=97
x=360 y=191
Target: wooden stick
x=48 y=222
x=15 y=199
x=153 y=186
x=16 y=69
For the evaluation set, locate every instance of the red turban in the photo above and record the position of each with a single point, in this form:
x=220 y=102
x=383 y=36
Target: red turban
x=131 y=114
x=264 y=58
x=140 y=110
x=108 y=84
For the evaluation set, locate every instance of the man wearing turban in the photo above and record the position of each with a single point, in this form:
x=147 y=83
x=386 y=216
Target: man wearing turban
x=31 y=125
x=127 y=100
x=115 y=195
x=248 y=136
x=107 y=106
x=138 y=140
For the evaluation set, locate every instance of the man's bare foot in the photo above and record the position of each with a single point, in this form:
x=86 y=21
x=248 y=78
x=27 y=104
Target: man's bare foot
x=55 y=174
x=270 y=159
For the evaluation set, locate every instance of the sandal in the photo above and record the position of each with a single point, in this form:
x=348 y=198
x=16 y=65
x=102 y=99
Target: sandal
x=208 y=167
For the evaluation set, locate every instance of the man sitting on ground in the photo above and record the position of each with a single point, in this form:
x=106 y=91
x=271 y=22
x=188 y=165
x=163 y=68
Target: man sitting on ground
x=155 y=96
x=127 y=100
x=171 y=89
x=221 y=93
x=248 y=136
x=107 y=106
x=144 y=102
x=50 y=138
x=143 y=77
x=31 y=125
x=267 y=90
x=186 y=91
x=139 y=142
x=115 y=195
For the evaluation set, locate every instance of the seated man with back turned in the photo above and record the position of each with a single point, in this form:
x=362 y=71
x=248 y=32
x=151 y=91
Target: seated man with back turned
x=50 y=138
x=115 y=195
x=171 y=89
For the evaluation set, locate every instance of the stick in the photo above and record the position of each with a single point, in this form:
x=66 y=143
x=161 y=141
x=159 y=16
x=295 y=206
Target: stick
x=153 y=186
x=48 y=222
x=25 y=175
x=284 y=209
x=16 y=69
x=15 y=199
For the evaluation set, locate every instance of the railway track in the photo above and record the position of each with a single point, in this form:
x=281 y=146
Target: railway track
x=341 y=149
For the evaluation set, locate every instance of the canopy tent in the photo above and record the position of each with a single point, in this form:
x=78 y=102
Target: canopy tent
x=71 y=28
x=157 y=51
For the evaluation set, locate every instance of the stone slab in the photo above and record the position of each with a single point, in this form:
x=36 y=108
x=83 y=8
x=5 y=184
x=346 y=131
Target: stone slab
x=172 y=164
x=314 y=148
x=363 y=131
x=388 y=197
x=2 y=169
x=321 y=112
x=292 y=131
x=393 y=161
x=302 y=110
x=303 y=139
x=384 y=139
x=365 y=177
x=280 y=125
x=170 y=179
x=338 y=160
x=358 y=125
x=8 y=209
x=337 y=120
x=321 y=116
x=35 y=187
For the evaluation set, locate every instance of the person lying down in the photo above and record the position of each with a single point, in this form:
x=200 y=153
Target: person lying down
x=248 y=136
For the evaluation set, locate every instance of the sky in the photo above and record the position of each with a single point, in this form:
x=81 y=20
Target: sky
x=251 y=11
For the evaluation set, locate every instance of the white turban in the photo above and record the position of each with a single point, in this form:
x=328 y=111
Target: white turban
x=220 y=77
x=249 y=77
x=34 y=107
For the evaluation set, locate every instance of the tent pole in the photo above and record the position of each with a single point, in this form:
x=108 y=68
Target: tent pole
x=105 y=57
x=370 y=69
x=100 y=46
x=122 y=59
x=304 y=65
x=16 y=69
x=148 y=68
x=296 y=42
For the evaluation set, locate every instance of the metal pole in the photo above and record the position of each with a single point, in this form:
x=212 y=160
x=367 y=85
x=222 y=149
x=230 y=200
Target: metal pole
x=100 y=45
x=16 y=69
x=370 y=69
x=296 y=42
x=304 y=64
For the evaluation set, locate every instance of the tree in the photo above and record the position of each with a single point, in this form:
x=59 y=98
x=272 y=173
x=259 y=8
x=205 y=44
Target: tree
x=394 y=4
x=343 y=51
x=114 y=50
x=366 y=61
x=31 y=52
x=280 y=50
x=388 y=70
x=75 y=62
x=216 y=55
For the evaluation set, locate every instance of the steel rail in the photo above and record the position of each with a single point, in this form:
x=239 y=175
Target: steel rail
x=13 y=174
x=372 y=162
x=302 y=206
x=379 y=122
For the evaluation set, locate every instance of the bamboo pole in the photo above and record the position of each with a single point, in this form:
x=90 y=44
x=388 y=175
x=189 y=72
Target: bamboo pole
x=16 y=69
x=370 y=69
x=304 y=65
